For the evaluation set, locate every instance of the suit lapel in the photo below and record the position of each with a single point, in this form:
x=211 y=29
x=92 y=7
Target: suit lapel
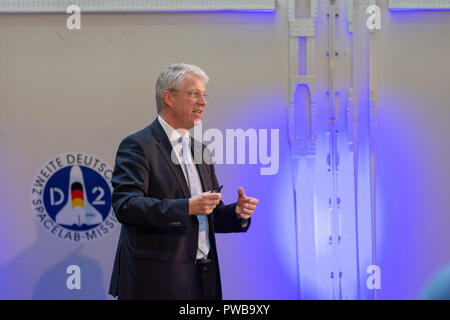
x=205 y=178
x=196 y=149
x=165 y=147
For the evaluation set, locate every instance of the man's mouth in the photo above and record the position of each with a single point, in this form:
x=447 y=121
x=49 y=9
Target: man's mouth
x=198 y=111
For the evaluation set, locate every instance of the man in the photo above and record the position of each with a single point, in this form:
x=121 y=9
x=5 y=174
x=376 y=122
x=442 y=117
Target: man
x=164 y=200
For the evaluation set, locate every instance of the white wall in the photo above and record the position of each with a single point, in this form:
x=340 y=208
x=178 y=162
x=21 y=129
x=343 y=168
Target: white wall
x=84 y=90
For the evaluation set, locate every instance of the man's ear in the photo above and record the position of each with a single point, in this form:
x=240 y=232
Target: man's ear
x=167 y=97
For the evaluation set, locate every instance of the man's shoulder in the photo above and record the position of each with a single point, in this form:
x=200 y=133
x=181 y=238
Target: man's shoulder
x=144 y=133
x=142 y=136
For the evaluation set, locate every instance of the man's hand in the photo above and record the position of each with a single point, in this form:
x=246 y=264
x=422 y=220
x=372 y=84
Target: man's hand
x=204 y=203
x=245 y=205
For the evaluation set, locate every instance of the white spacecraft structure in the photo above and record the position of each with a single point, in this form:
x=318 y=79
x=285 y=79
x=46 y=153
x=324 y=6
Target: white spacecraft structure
x=78 y=210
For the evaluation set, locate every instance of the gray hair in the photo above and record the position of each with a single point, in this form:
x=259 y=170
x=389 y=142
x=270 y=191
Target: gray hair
x=172 y=78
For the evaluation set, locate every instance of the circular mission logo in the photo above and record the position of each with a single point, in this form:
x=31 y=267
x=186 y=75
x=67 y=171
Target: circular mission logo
x=71 y=197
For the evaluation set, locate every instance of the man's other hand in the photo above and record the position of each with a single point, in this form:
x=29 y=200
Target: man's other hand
x=245 y=205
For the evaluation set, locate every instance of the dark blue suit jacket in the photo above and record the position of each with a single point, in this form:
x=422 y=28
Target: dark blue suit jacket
x=158 y=242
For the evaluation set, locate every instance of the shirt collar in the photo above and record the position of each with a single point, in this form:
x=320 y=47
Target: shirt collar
x=171 y=133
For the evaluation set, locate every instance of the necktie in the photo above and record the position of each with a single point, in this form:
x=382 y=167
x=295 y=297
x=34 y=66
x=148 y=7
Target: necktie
x=196 y=188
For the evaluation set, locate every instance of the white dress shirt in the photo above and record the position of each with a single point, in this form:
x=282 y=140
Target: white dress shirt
x=173 y=136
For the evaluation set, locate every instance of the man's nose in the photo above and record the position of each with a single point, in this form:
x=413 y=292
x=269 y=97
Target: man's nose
x=202 y=101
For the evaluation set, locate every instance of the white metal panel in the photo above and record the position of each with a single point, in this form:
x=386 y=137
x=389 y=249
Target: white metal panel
x=56 y=6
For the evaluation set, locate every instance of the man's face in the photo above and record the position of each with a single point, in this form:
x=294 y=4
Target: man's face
x=189 y=102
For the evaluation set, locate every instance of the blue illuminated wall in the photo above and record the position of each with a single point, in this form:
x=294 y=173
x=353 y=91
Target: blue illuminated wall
x=412 y=164
x=344 y=193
